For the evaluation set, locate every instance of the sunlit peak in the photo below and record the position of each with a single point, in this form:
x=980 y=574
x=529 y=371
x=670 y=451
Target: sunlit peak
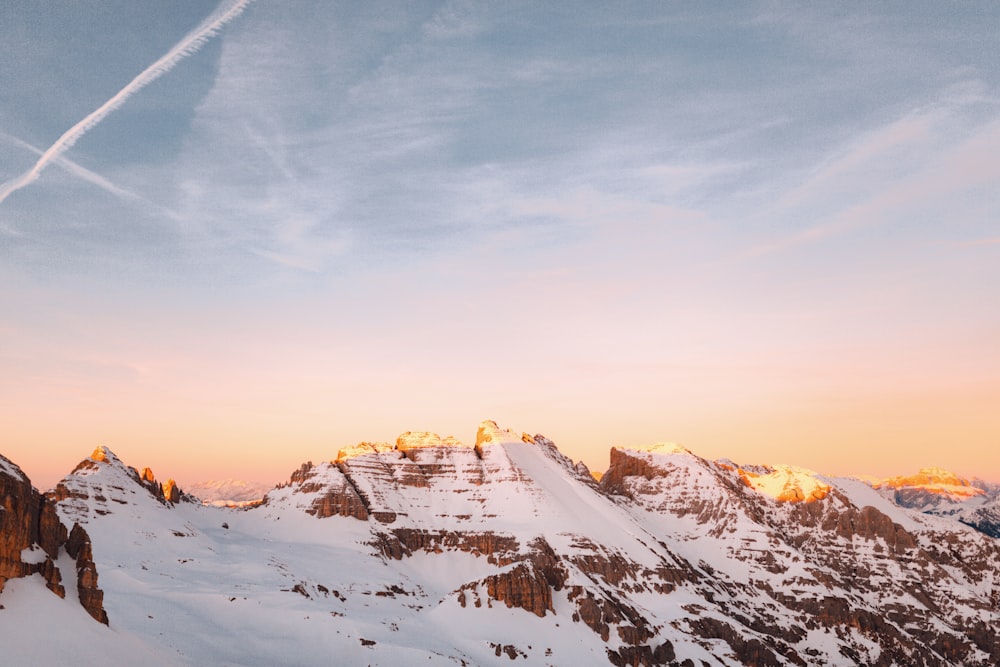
x=786 y=483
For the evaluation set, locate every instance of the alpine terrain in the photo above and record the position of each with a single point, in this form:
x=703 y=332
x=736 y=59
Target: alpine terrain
x=431 y=551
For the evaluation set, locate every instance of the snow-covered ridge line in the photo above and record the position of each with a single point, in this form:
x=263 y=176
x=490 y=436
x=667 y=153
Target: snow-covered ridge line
x=442 y=554
x=487 y=434
x=783 y=483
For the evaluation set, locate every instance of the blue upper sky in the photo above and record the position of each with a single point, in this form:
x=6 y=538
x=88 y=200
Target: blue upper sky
x=650 y=219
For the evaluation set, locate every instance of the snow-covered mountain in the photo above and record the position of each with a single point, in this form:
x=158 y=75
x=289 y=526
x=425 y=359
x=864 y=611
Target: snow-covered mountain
x=431 y=551
x=931 y=490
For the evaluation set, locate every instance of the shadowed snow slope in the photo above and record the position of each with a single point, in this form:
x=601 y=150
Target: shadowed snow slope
x=429 y=551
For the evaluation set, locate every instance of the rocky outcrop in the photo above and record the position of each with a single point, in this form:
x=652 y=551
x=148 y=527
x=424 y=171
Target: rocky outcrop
x=526 y=581
x=626 y=466
x=398 y=543
x=31 y=536
x=322 y=491
x=167 y=492
x=523 y=586
x=78 y=546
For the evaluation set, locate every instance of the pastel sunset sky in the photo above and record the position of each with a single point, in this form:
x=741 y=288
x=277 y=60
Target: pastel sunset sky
x=237 y=237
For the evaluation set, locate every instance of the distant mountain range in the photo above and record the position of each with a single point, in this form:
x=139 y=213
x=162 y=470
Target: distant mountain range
x=429 y=551
x=943 y=493
x=228 y=492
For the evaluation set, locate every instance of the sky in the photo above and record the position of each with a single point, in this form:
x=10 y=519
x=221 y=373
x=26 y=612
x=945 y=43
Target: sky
x=235 y=237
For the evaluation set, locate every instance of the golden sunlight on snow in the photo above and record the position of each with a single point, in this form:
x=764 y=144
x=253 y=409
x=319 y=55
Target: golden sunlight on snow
x=361 y=449
x=786 y=483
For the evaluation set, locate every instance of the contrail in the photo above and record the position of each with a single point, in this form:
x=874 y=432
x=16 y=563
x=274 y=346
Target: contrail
x=188 y=45
x=75 y=169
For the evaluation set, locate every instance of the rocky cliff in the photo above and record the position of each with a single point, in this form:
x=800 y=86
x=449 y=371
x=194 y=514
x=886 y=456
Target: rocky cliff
x=31 y=537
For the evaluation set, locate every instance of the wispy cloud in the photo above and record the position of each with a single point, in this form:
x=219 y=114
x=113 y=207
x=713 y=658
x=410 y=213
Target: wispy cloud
x=191 y=42
x=898 y=171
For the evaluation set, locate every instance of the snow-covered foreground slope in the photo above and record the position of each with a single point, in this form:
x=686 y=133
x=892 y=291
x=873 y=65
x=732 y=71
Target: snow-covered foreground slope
x=429 y=551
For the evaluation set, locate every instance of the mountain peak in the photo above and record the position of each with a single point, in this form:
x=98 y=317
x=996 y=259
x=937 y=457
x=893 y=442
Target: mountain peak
x=104 y=454
x=928 y=477
x=929 y=489
x=489 y=434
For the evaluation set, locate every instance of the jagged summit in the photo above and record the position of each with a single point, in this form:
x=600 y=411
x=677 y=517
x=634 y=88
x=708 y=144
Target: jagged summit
x=103 y=454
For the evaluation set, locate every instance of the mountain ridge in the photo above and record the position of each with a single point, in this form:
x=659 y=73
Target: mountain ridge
x=671 y=559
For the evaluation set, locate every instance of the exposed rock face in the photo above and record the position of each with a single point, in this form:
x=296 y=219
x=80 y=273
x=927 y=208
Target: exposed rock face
x=322 y=491
x=19 y=510
x=171 y=492
x=91 y=597
x=168 y=492
x=30 y=525
x=521 y=586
